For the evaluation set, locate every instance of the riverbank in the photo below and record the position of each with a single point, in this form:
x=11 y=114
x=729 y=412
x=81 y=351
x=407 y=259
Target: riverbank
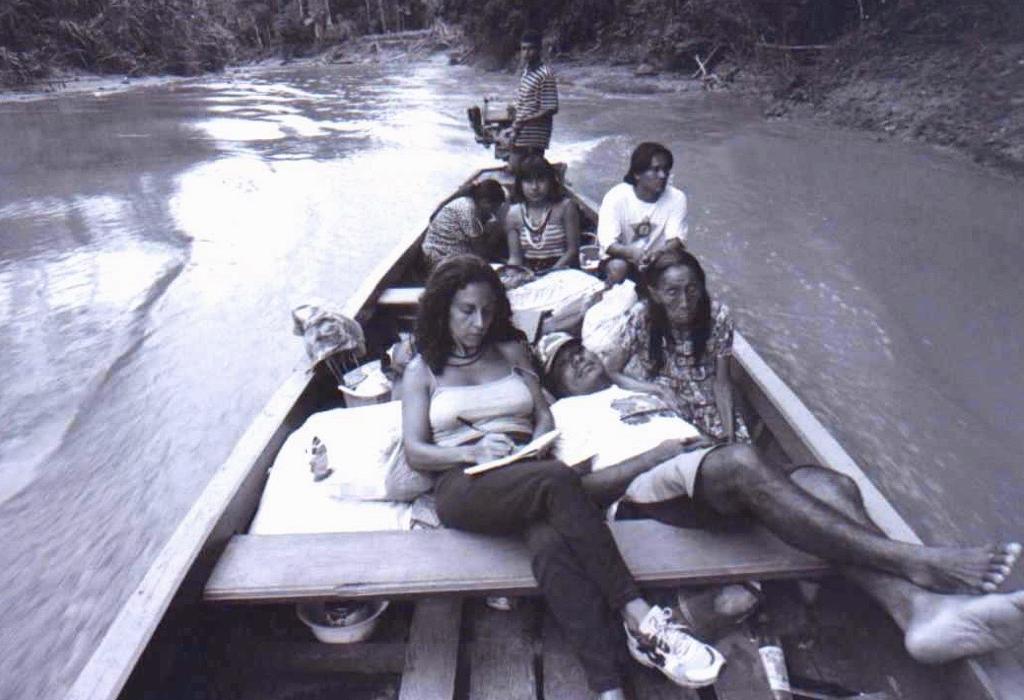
x=958 y=95
x=964 y=92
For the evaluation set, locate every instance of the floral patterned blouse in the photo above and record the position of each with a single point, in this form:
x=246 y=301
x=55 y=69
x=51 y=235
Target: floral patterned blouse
x=452 y=231
x=691 y=380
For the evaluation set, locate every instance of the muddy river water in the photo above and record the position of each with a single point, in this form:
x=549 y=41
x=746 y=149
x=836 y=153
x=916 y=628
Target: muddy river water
x=154 y=240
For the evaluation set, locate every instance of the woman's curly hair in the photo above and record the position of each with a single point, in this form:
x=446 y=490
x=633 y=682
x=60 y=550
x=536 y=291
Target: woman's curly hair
x=673 y=254
x=433 y=335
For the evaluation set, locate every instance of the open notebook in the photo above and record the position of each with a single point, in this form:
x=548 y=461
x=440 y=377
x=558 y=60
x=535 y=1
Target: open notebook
x=531 y=449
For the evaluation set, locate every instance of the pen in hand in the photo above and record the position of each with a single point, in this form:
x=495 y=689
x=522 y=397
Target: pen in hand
x=490 y=441
x=469 y=424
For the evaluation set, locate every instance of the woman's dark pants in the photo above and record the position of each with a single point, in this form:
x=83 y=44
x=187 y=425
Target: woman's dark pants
x=575 y=559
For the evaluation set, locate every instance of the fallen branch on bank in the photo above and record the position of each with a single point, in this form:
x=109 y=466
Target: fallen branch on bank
x=702 y=66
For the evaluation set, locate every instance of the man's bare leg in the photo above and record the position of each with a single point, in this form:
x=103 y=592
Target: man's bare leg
x=937 y=627
x=736 y=478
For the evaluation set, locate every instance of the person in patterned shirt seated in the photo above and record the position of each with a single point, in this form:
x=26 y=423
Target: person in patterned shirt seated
x=678 y=342
x=536 y=103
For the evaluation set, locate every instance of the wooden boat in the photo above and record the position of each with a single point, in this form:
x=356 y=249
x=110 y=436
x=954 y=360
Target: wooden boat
x=177 y=636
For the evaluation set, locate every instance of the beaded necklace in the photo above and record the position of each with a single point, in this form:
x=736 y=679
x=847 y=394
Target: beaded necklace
x=535 y=232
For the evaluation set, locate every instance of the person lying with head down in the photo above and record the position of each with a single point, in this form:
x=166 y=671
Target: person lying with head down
x=468 y=398
x=941 y=597
x=457 y=225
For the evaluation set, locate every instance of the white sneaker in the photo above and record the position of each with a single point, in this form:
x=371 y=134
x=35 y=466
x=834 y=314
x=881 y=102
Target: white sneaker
x=664 y=644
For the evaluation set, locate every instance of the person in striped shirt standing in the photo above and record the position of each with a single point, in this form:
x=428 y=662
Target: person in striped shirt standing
x=536 y=102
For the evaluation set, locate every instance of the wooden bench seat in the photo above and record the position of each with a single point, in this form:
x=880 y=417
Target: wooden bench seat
x=400 y=296
x=268 y=568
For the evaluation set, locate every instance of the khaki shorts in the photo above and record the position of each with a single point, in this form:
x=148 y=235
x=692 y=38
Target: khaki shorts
x=669 y=480
x=666 y=494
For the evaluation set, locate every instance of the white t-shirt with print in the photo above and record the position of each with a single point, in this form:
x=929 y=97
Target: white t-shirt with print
x=627 y=219
x=614 y=425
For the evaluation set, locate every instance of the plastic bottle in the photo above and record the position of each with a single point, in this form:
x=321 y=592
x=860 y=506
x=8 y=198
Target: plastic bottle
x=318 y=460
x=773 y=659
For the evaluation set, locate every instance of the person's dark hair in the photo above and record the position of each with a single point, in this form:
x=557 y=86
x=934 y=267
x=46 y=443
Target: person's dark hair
x=643 y=156
x=487 y=191
x=673 y=254
x=433 y=335
x=531 y=37
x=478 y=191
x=533 y=168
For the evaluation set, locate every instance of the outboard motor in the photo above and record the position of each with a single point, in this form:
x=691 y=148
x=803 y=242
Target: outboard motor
x=490 y=125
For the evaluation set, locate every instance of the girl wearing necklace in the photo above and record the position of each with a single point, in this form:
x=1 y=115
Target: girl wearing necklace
x=543 y=226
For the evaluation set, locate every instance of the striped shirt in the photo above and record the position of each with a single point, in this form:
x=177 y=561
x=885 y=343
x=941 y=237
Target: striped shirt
x=537 y=92
x=546 y=242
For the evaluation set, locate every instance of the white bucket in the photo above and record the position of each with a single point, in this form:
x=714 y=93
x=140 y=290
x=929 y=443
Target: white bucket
x=315 y=617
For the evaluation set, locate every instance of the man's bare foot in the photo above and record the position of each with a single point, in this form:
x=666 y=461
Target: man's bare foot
x=963 y=569
x=947 y=627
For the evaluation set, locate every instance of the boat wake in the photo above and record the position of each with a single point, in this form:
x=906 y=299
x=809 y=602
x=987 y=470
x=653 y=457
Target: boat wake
x=41 y=442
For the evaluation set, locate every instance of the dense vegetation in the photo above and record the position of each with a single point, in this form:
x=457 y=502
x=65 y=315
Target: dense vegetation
x=191 y=36
x=666 y=33
x=178 y=36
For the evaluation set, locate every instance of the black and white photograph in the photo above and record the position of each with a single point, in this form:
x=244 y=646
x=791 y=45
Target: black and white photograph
x=511 y=349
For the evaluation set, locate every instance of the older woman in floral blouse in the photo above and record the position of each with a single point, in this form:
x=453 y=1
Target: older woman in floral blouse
x=677 y=345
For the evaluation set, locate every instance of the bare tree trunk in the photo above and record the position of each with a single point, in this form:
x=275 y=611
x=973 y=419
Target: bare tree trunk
x=383 y=20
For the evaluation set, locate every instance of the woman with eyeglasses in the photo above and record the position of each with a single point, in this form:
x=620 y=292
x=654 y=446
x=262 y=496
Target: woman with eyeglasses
x=640 y=214
x=677 y=344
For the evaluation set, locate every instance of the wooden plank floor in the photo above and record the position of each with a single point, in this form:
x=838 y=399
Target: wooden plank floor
x=446 y=648
x=433 y=650
x=501 y=652
x=561 y=671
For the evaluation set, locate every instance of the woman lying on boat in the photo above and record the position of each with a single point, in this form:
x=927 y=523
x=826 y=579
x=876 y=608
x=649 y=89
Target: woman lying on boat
x=457 y=226
x=543 y=226
x=468 y=396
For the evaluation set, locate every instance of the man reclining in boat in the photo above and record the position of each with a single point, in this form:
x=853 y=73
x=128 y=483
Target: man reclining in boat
x=939 y=596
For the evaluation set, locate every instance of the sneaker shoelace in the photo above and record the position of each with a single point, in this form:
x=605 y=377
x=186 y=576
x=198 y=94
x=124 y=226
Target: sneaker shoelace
x=672 y=636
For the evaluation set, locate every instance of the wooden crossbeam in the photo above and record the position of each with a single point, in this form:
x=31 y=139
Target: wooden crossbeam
x=400 y=296
x=267 y=568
